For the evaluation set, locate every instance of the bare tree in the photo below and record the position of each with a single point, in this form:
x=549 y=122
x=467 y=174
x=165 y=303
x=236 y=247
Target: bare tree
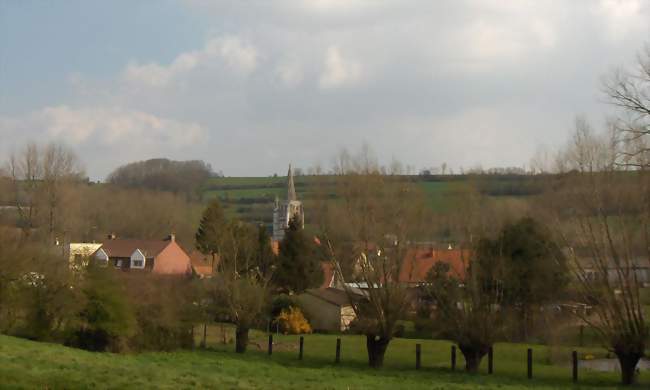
x=371 y=227
x=40 y=176
x=602 y=218
x=25 y=171
x=629 y=90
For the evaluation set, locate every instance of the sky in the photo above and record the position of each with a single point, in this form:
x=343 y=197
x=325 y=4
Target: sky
x=251 y=86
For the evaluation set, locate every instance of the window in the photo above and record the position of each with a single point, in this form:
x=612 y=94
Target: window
x=137 y=264
x=118 y=263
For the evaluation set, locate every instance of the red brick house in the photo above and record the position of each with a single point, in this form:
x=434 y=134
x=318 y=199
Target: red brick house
x=155 y=256
x=420 y=260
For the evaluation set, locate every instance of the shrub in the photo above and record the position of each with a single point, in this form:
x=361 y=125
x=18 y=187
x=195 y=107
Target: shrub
x=280 y=303
x=107 y=319
x=292 y=321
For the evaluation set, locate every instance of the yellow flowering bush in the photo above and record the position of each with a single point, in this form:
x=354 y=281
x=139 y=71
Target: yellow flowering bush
x=292 y=321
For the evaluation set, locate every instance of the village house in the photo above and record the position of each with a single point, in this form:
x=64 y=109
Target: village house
x=420 y=259
x=155 y=256
x=203 y=266
x=328 y=309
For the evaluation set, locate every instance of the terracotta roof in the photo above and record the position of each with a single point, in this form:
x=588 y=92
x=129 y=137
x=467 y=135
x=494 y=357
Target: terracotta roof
x=126 y=247
x=333 y=296
x=202 y=263
x=418 y=262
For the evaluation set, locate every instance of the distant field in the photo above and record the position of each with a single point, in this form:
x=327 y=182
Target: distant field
x=252 y=198
x=27 y=365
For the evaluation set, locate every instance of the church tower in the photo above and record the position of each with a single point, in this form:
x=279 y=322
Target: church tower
x=284 y=211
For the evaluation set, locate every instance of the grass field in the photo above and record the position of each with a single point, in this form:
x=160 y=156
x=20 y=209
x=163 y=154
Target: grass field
x=27 y=364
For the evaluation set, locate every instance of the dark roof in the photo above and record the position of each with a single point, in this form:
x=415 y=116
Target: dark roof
x=334 y=296
x=126 y=247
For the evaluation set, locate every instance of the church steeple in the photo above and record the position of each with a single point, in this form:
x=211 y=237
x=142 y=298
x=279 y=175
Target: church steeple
x=291 y=189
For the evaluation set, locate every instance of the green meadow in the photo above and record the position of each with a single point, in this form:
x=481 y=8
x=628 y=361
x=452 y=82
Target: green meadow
x=27 y=365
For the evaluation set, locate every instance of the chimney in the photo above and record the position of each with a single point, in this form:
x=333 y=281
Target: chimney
x=112 y=236
x=172 y=237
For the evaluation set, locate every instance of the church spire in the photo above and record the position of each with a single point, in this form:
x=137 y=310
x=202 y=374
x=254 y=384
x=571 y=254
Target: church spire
x=291 y=189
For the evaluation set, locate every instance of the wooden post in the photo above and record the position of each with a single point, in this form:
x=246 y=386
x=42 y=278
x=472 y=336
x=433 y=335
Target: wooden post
x=530 y=363
x=418 y=353
x=490 y=361
x=338 y=351
x=302 y=343
x=205 y=332
x=574 y=357
x=453 y=358
x=270 y=343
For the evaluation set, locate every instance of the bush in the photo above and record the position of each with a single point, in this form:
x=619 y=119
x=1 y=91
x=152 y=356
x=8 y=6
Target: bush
x=280 y=303
x=292 y=321
x=107 y=319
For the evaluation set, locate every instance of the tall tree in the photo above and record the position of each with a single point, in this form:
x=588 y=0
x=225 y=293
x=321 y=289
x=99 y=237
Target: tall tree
x=602 y=216
x=240 y=290
x=534 y=268
x=468 y=306
x=266 y=259
x=299 y=265
x=377 y=216
x=629 y=90
x=212 y=229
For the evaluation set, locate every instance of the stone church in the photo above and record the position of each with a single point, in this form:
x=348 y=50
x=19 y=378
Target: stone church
x=285 y=210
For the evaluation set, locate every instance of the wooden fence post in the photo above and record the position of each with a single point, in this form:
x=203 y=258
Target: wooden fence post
x=270 y=343
x=418 y=353
x=530 y=363
x=302 y=343
x=338 y=351
x=574 y=359
x=453 y=358
x=490 y=360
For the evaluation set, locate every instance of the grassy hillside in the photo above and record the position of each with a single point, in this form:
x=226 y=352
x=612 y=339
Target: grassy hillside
x=252 y=198
x=26 y=364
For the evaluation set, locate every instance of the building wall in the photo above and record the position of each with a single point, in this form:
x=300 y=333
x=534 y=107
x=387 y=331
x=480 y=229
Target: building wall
x=172 y=260
x=322 y=315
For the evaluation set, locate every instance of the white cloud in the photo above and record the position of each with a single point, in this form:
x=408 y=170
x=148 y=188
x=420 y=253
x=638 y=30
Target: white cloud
x=339 y=71
x=290 y=72
x=126 y=133
x=239 y=56
x=116 y=126
x=622 y=17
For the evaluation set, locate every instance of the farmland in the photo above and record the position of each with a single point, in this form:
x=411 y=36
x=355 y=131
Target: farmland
x=252 y=198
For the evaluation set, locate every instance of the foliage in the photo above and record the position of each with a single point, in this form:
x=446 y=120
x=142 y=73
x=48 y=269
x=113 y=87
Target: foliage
x=239 y=292
x=210 y=234
x=107 y=319
x=163 y=307
x=161 y=174
x=298 y=266
x=280 y=303
x=468 y=308
x=292 y=321
x=530 y=266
